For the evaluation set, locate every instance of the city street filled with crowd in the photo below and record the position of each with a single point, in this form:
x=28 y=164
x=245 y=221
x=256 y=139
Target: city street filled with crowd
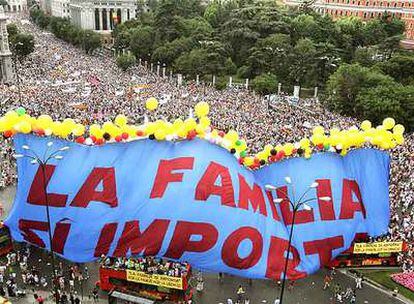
x=64 y=82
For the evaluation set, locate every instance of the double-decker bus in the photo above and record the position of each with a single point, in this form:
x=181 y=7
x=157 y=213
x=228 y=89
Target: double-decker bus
x=6 y=244
x=364 y=254
x=158 y=282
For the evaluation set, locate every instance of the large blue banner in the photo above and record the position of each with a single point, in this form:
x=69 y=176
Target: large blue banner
x=192 y=201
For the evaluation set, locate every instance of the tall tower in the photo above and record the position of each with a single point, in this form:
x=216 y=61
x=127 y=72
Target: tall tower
x=6 y=66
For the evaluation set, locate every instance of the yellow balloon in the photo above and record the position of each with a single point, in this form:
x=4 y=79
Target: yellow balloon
x=79 y=130
x=248 y=161
x=121 y=120
x=232 y=135
x=151 y=104
x=304 y=142
x=3 y=124
x=202 y=109
x=150 y=128
x=288 y=148
x=334 y=131
x=319 y=130
x=366 y=125
x=388 y=123
x=25 y=127
x=190 y=124
x=205 y=121
x=398 y=129
x=160 y=134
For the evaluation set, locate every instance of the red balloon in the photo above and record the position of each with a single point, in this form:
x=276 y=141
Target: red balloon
x=241 y=160
x=93 y=138
x=80 y=140
x=8 y=133
x=125 y=135
x=320 y=146
x=40 y=132
x=118 y=138
x=99 y=141
x=140 y=133
x=221 y=133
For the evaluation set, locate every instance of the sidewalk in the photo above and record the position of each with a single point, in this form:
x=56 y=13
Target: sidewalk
x=379 y=287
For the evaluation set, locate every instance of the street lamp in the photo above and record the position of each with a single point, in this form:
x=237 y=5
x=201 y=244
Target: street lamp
x=296 y=205
x=43 y=162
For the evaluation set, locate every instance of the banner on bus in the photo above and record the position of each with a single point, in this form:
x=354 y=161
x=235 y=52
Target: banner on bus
x=155 y=279
x=192 y=201
x=378 y=247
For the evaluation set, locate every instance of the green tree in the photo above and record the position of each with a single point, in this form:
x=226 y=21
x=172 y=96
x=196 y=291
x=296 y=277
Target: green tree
x=23 y=45
x=126 y=61
x=265 y=83
x=12 y=31
x=347 y=82
x=393 y=100
x=141 y=41
x=197 y=28
x=170 y=51
x=302 y=61
x=229 y=67
x=400 y=67
x=91 y=41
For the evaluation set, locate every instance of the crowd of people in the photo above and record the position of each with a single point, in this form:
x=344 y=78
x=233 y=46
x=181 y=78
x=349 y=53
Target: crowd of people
x=148 y=264
x=23 y=276
x=64 y=82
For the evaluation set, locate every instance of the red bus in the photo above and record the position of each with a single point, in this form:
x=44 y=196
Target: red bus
x=132 y=284
x=6 y=244
x=362 y=254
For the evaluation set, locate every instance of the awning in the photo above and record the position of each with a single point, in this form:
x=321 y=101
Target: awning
x=130 y=298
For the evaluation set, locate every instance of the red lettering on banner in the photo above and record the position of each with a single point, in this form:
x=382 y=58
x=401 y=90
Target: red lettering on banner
x=229 y=252
x=275 y=214
x=253 y=196
x=165 y=174
x=60 y=235
x=148 y=242
x=276 y=260
x=105 y=239
x=37 y=195
x=302 y=216
x=323 y=248
x=326 y=208
x=206 y=186
x=27 y=226
x=181 y=240
x=348 y=205
x=88 y=192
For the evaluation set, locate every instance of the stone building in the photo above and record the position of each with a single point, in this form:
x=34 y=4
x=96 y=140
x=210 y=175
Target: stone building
x=101 y=15
x=16 y=6
x=6 y=66
x=60 y=8
x=366 y=9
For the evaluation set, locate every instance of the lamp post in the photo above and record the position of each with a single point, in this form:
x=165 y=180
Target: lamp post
x=296 y=205
x=43 y=162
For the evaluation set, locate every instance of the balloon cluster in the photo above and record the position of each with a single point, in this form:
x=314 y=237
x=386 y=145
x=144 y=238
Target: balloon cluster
x=385 y=136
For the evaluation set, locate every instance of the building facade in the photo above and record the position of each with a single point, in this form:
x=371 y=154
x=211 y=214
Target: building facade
x=6 y=66
x=60 y=8
x=16 y=6
x=101 y=15
x=366 y=9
